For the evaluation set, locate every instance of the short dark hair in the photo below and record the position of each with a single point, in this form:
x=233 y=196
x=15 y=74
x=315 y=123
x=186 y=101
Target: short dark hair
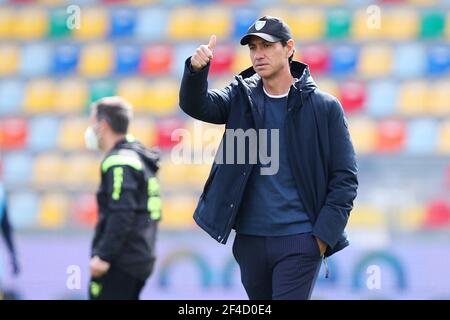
x=284 y=44
x=116 y=111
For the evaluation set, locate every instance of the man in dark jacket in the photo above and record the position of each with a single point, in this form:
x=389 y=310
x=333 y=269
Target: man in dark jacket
x=128 y=201
x=285 y=221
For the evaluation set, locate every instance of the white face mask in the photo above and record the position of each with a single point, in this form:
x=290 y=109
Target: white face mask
x=90 y=139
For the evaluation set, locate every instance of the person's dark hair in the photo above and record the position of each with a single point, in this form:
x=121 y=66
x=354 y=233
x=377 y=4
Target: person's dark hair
x=116 y=111
x=284 y=44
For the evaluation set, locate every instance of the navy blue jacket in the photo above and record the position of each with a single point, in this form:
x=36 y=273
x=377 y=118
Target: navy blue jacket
x=321 y=155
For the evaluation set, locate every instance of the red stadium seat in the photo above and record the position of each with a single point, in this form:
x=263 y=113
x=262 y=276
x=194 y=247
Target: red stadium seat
x=353 y=96
x=437 y=214
x=165 y=128
x=391 y=136
x=85 y=210
x=223 y=60
x=156 y=60
x=14 y=133
x=317 y=57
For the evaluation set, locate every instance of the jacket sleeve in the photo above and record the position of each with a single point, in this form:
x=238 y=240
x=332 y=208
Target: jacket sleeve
x=200 y=103
x=342 y=181
x=121 y=183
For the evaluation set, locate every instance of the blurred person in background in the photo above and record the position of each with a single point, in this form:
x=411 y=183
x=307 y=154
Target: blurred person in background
x=288 y=221
x=129 y=204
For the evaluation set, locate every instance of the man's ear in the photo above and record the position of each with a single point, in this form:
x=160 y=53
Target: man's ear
x=291 y=47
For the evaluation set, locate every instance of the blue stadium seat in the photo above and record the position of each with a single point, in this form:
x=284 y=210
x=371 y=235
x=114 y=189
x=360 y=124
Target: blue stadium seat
x=23 y=208
x=17 y=168
x=11 y=95
x=35 y=60
x=151 y=24
x=65 y=59
x=122 y=23
x=127 y=59
x=43 y=133
x=438 y=60
x=343 y=59
x=381 y=98
x=409 y=60
x=181 y=53
x=243 y=19
x=422 y=136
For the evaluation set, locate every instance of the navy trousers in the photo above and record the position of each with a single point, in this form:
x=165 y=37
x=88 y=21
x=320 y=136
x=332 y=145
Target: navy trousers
x=278 y=268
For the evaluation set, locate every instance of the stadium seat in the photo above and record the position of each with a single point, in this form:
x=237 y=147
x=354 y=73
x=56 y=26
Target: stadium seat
x=432 y=24
x=43 y=133
x=162 y=97
x=343 y=59
x=14 y=133
x=391 y=136
x=223 y=60
x=96 y=60
x=213 y=20
x=17 y=168
x=375 y=61
x=11 y=97
x=181 y=53
x=81 y=170
x=182 y=24
x=156 y=60
x=165 y=128
x=177 y=210
x=365 y=27
x=71 y=96
x=30 y=23
x=409 y=61
x=438 y=60
x=84 y=211
x=35 y=60
x=9 y=60
x=48 y=168
x=329 y=86
x=58 y=24
x=307 y=24
x=367 y=217
x=171 y=172
x=102 y=88
x=53 y=210
x=95 y=24
x=400 y=24
x=338 y=24
x=411 y=218
x=243 y=19
x=364 y=135
x=413 y=97
x=443 y=143
x=23 y=209
x=39 y=95
x=439 y=98
x=353 y=96
x=151 y=24
x=241 y=60
x=437 y=214
x=122 y=22
x=316 y=57
x=422 y=136
x=71 y=136
x=127 y=59
x=65 y=59
x=382 y=97
x=7 y=18
x=144 y=130
x=134 y=91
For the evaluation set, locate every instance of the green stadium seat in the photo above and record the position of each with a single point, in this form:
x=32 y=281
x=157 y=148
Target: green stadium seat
x=433 y=24
x=58 y=24
x=338 y=24
x=102 y=88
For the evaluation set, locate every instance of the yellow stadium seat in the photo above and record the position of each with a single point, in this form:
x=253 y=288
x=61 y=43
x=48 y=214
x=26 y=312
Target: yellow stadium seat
x=142 y=2
x=365 y=25
x=39 y=96
x=423 y=2
x=367 y=217
x=443 y=144
x=177 y=211
x=213 y=20
x=71 y=96
x=375 y=61
x=52 y=2
x=71 y=135
x=96 y=60
x=411 y=218
x=364 y=134
x=94 y=24
x=9 y=59
x=413 y=97
x=199 y=175
x=400 y=24
x=329 y=86
x=314 y=2
x=241 y=60
x=81 y=170
x=307 y=24
x=173 y=175
x=439 y=98
x=162 y=97
x=48 y=169
x=182 y=23
x=144 y=130
x=277 y=11
x=53 y=210
x=133 y=90
x=30 y=23
x=6 y=22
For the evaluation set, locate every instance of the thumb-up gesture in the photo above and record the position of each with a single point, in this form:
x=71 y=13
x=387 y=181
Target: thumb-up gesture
x=203 y=54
